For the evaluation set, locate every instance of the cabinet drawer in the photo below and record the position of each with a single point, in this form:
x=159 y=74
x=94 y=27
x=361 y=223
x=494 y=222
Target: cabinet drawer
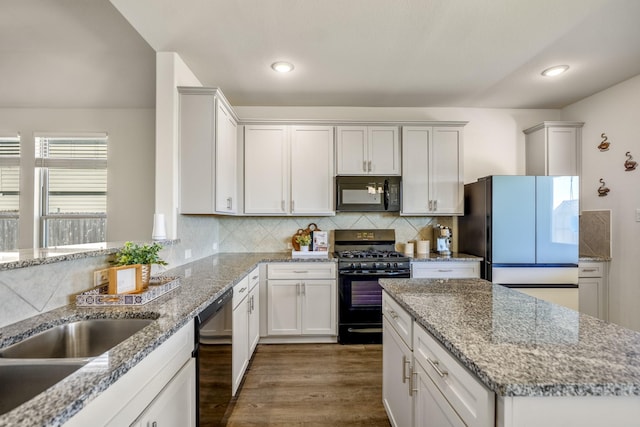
x=469 y=397
x=254 y=278
x=300 y=270
x=590 y=269
x=240 y=291
x=445 y=270
x=399 y=319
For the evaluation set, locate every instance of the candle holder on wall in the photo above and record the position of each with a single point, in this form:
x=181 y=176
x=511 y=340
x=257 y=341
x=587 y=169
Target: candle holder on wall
x=603 y=190
x=629 y=164
x=604 y=145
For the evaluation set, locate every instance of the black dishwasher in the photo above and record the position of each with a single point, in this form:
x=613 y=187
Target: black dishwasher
x=212 y=350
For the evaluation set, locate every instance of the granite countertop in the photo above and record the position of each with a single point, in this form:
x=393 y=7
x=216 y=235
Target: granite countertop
x=518 y=345
x=201 y=283
x=22 y=258
x=454 y=257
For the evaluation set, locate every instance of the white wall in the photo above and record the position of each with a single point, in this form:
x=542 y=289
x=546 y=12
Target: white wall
x=615 y=111
x=130 y=163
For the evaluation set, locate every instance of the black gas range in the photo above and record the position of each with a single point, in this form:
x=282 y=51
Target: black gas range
x=364 y=256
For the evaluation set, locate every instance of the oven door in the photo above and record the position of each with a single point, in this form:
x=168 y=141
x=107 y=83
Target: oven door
x=360 y=306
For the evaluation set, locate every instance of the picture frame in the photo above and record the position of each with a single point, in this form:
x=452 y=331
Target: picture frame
x=125 y=279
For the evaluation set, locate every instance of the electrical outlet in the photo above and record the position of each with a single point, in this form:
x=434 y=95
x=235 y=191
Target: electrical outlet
x=100 y=277
x=187 y=253
x=187 y=273
x=289 y=245
x=637 y=215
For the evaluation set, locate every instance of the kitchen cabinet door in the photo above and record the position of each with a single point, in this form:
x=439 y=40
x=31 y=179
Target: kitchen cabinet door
x=352 y=150
x=319 y=307
x=266 y=159
x=176 y=404
x=240 y=343
x=284 y=314
x=254 y=319
x=446 y=181
x=396 y=377
x=431 y=408
x=368 y=150
x=432 y=175
x=197 y=153
x=312 y=153
x=383 y=150
x=226 y=160
x=553 y=148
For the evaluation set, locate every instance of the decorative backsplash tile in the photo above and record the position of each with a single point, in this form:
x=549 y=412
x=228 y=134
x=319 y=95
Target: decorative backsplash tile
x=258 y=234
x=595 y=233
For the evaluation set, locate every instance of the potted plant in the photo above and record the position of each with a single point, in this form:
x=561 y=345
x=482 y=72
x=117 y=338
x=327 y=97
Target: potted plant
x=304 y=240
x=144 y=254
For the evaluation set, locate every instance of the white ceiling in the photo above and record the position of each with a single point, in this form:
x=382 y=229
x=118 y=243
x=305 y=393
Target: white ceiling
x=396 y=53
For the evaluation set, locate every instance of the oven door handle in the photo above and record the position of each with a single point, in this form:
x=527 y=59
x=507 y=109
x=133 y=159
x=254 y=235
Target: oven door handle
x=404 y=273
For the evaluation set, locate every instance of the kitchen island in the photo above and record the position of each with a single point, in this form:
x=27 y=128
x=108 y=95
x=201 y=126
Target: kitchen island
x=547 y=365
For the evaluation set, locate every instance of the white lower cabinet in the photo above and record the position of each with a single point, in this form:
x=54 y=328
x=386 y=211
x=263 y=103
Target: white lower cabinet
x=301 y=299
x=445 y=270
x=246 y=325
x=161 y=387
x=396 y=377
x=175 y=404
x=593 y=289
x=423 y=385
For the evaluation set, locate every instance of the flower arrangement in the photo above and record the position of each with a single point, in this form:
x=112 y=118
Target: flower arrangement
x=303 y=239
x=133 y=253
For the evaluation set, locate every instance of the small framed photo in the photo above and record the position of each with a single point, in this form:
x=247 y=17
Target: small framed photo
x=126 y=279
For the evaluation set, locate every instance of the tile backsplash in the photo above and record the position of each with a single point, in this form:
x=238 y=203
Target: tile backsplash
x=260 y=234
x=595 y=233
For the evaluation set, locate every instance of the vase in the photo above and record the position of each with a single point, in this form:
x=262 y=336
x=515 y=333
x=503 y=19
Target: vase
x=146 y=275
x=304 y=248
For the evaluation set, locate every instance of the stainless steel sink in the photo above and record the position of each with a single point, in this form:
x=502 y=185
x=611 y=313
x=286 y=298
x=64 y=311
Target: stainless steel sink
x=81 y=339
x=20 y=382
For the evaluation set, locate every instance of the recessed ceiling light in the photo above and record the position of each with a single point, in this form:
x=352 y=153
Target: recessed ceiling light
x=554 y=71
x=282 y=67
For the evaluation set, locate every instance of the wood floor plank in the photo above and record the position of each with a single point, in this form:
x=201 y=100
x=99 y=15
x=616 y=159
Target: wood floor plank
x=311 y=385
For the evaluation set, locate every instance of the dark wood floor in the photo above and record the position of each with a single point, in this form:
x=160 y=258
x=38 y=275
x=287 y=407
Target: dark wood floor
x=312 y=385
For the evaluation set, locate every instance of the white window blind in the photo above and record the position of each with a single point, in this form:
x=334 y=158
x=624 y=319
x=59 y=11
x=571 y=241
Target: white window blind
x=9 y=175
x=74 y=187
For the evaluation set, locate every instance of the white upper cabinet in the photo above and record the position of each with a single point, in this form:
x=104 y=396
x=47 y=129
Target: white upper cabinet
x=288 y=170
x=553 y=148
x=266 y=166
x=208 y=153
x=368 y=150
x=312 y=170
x=226 y=160
x=432 y=174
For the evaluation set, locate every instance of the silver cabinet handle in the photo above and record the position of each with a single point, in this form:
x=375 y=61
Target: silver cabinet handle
x=364 y=166
x=588 y=270
x=304 y=288
x=293 y=205
x=229 y=202
x=445 y=271
x=282 y=205
x=405 y=362
x=393 y=314
x=435 y=205
x=254 y=277
x=435 y=365
x=253 y=307
x=413 y=384
x=241 y=290
x=298 y=288
x=430 y=205
x=300 y=271
x=370 y=166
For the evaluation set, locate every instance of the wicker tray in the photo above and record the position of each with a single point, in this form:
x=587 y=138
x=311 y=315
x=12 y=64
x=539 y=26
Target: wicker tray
x=98 y=296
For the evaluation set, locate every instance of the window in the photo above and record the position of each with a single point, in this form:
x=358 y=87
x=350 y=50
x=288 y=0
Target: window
x=73 y=183
x=9 y=191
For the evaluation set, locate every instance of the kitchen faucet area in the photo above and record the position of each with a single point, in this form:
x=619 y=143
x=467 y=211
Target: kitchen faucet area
x=394 y=214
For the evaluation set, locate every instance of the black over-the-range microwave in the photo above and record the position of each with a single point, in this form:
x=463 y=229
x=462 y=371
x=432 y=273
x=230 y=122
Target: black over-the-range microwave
x=368 y=193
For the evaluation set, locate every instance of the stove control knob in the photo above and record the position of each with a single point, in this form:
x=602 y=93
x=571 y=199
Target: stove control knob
x=395 y=264
x=389 y=265
x=352 y=265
